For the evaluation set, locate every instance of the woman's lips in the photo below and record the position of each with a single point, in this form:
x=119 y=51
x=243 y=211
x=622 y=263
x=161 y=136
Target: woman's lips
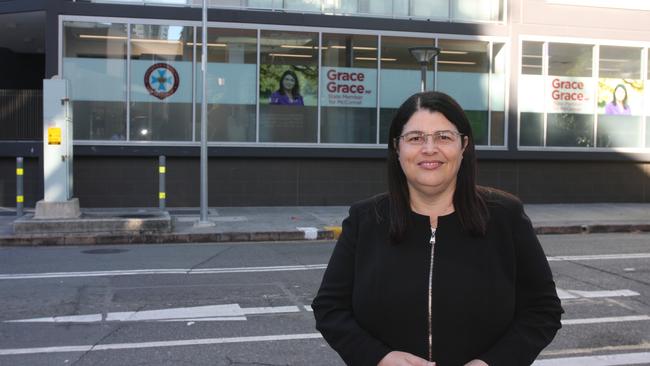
x=433 y=164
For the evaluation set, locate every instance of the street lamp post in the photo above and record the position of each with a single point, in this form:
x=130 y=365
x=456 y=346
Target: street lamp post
x=424 y=55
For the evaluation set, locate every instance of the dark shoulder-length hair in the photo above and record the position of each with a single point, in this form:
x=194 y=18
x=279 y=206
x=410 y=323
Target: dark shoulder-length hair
x=295 y=91
x=468 y=202
x=620 y=86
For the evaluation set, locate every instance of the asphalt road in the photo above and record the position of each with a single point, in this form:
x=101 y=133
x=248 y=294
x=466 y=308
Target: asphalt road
x=247 y=304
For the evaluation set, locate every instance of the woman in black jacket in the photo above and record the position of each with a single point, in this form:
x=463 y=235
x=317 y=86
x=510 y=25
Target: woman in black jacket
x=438 y=271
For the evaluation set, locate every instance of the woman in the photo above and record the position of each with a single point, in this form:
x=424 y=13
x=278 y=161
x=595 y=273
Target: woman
x=618 y=105
x=288 y=92
x=437 y=271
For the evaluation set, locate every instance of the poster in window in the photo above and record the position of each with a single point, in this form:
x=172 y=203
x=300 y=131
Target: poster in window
x=620 y=97
x=289 y=85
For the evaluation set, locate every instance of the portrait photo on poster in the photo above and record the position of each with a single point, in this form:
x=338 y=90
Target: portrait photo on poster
x=291 y=85
x=619 y=96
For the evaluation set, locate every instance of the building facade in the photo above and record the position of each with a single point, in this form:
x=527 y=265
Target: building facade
x=300 y=94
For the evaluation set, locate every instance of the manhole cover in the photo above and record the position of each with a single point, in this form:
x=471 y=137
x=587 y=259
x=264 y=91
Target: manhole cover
x=104 y=251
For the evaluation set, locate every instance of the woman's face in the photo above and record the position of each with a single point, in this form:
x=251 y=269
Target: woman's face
x=430 y=168
x=288 y=82
x=619 y=94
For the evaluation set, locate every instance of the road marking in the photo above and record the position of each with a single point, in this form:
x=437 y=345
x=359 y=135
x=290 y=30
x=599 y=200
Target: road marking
x=178 y=271
x=576 y=294
x=188 y=342
x=226 y=312
x=603 y=360
x=308 y=267
x=613 y=319
x=598 y=257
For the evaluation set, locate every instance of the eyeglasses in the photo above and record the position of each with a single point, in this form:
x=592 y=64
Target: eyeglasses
x=418 y=138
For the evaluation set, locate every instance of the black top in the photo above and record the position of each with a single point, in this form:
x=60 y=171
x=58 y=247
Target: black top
x=493 y=297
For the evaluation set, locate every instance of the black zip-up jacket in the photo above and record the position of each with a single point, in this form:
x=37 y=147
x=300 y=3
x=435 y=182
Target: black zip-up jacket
x=493 y=297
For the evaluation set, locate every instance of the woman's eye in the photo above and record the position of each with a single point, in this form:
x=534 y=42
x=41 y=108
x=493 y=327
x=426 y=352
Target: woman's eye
x=415 y=138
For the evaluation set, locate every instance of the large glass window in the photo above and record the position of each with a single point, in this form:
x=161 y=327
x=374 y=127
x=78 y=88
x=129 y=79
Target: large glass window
x=400 y=77
x=161 y=82
x=94 y=60
x=463 y=68
x=620 y=98
x=349 y=89
x=231 y=84
x=570 y=104
x=288 y=86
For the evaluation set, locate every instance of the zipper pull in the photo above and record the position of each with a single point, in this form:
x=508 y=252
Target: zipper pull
x=433 y=236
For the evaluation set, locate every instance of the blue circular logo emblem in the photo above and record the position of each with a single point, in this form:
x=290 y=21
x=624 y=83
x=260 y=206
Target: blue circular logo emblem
x=161 y=80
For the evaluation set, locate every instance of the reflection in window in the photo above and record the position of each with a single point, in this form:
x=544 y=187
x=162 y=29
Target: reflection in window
x=430 y=9
x=400 y=77
x=463 y=68
x=531 y=95
x=95 y=63
x=498 y=94
x=349 y=89
x=288 y=86
x=161 y=82
x=482 y=10
x=531 y=58
x=231 y=85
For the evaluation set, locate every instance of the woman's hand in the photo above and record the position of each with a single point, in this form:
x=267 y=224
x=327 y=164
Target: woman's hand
x=476 y=363
x=397 y=358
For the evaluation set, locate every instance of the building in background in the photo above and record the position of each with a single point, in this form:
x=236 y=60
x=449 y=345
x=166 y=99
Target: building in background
x=301 y=93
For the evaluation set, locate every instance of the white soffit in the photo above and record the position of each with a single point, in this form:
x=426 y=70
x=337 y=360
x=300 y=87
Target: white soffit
x=620 y=4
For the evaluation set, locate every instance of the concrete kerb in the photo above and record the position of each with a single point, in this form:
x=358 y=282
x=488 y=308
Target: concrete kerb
x=162 y=238
x=326 y=233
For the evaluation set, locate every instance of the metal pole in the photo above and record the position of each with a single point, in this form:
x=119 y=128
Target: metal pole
x=162 y=171
x=19 y=187
x=204 y=117
x=423 y=82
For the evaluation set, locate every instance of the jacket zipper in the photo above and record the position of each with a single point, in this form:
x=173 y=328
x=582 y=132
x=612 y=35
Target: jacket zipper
x=432 y=241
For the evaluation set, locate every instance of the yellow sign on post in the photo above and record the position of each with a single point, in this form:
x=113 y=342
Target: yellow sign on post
x=54 y=135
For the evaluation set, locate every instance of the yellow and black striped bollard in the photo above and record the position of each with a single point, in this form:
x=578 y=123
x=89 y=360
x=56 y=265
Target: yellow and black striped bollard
x=162 y=196
x=20 y=199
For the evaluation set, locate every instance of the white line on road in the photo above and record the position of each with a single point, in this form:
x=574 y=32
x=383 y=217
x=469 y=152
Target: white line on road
x=613 y=319
x=576 y=294
x=308 y=267
x=603 y=360
x=140 y=272
x=598 y=257
x=189 y=342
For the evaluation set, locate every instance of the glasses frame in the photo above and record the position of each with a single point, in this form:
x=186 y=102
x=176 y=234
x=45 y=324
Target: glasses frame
x=426 y=135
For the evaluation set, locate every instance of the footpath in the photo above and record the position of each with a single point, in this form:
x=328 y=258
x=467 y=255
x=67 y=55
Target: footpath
x=245 y=224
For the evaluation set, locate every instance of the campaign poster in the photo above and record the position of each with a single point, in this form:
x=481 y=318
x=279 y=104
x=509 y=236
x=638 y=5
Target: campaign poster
x=290 y=85
x=348 y=87
x=566 y=94
x=620 y=97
